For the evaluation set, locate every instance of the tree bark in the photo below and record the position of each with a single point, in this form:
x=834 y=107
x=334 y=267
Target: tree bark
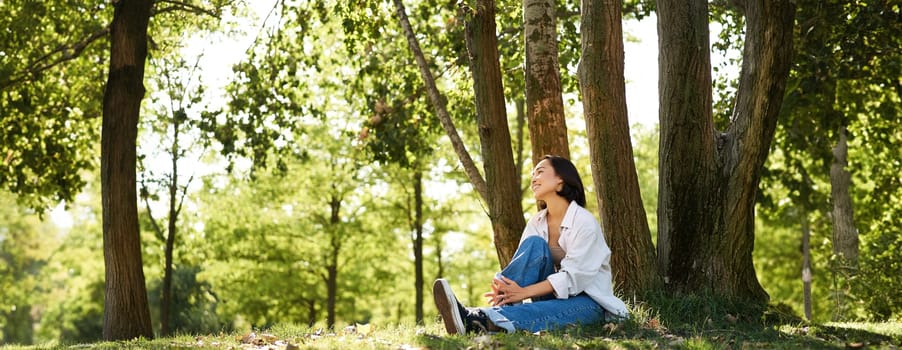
x=845 y=235
x=708 y=179
x=544 y=104
x=603 y=91
x=504 y=200
x=126 y=312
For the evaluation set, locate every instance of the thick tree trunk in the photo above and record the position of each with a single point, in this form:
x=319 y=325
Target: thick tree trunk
x=126 y=312
x=544 y=104
x=502 y=177
x=614 y=171
x=845 y=235
x=500 y=188
x=708 y=180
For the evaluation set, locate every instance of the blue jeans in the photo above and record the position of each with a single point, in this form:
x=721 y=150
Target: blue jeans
x=532 y=263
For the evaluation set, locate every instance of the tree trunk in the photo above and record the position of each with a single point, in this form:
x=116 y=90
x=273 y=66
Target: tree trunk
x=603 y=91
x=332 y=265
x=504 y=200
x=18 y=327
x=500 y=188
x=311 y=313
x=166 y=294
x=126 y=312
x=418 y=242
x=845 y=235
x=708 y=179
x=544 y=104
x=806 y=263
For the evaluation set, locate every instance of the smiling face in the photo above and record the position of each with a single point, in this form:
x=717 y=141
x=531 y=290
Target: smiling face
x=545 y=182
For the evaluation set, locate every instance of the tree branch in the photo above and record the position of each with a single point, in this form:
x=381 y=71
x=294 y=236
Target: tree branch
x=439 y=103
x=178 y=5
x=67 y=52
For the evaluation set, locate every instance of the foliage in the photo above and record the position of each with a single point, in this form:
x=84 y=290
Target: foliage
x=25 y=248
x=645 y=151
x=72 y=297
x=49 y=106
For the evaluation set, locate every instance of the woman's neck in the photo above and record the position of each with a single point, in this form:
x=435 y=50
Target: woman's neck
x=557 y=207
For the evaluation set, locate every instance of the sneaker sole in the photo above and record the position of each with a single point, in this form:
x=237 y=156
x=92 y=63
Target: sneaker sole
x=447 y=307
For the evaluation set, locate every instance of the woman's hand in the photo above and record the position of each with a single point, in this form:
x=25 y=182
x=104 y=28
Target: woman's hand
x=505 y=291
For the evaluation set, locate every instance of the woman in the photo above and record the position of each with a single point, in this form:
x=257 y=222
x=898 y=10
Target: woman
x=560 y=273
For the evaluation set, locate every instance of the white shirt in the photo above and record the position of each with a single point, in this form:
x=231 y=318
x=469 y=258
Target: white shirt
x=586 y=266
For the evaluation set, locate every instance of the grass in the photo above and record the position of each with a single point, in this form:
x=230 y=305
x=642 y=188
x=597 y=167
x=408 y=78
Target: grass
x=627 y=335
x=673 y=323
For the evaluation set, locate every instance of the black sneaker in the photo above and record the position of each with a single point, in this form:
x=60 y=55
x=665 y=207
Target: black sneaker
x=448 y=307
x=476 y=321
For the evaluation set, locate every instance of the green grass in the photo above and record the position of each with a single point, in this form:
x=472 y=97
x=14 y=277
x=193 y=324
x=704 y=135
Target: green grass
x=627 y=335
x=684 y=322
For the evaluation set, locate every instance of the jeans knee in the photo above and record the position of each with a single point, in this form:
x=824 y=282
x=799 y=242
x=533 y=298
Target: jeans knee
x=533 y=241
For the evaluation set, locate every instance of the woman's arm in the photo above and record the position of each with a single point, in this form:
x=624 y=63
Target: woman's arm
x=506 y=291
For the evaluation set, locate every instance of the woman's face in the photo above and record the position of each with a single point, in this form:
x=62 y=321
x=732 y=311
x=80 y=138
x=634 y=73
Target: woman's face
x=545 y=182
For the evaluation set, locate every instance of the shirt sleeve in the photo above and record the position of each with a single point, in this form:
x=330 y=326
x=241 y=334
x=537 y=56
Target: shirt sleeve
x=586 y=256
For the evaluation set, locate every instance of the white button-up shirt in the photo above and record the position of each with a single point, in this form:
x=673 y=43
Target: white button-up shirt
x=586 y=265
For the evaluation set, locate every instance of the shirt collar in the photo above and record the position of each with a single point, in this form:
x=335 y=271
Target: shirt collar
x=569 y=216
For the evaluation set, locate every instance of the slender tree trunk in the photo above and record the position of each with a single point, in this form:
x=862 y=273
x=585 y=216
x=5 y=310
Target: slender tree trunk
x=709 y=179
x=126 y=312
x=544 y=104
x=806 y=263
x=166 y=295
x=418 y=242
x=311 y=313
x=439 y=103
x=500 y=188
x=603 y=90
x=502 y=177
x=332 y=265
x=845 y=235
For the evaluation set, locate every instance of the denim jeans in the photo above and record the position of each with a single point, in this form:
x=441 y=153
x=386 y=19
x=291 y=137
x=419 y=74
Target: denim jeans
x=532 y=263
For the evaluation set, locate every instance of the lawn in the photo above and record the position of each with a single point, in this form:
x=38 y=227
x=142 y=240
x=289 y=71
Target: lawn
x=647 y=334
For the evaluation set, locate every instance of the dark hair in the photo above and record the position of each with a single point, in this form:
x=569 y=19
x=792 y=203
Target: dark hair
x=572 y=188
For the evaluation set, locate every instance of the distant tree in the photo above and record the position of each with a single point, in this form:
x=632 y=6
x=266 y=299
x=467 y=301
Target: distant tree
x=177 y=83
x=26 y=244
